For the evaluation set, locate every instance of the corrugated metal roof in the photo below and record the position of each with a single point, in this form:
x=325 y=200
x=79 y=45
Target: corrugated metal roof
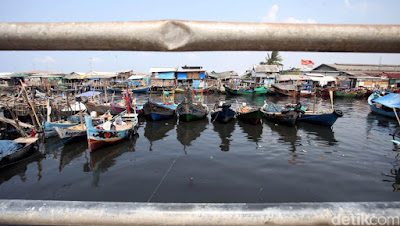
x=46 y=76
x=134 y=77
x=393 y=75
x=190 y=70
x=223 y=75
x=163 y=69
x=258 y=68
x=76 y=76
x=365 y=67
x=5 y=75
x=291 y=77
x=101 y=75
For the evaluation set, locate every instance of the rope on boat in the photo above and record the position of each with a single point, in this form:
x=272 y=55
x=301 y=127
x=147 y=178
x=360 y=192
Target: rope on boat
x=165 y=175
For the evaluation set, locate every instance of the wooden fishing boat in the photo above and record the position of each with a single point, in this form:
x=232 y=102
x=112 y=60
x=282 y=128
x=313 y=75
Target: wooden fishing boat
x=143 y=89
x=279 y=115
x=246 y=91
x=14 y=150
x=99 y=108
x=181 y=90
x=349 y=93
x=48 y=127
x=388 y=105
x=158 y=111
x=323 y=118
x=200 y=90
x=222 y=112
x=285 y=89
x=105 y=134
x=116 y=90
x=73 y=133
x=118 y=108
x=249 y=114
x=191 y=111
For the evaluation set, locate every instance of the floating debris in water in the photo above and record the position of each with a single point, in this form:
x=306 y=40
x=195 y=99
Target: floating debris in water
x=211 y=157
x=303 y=150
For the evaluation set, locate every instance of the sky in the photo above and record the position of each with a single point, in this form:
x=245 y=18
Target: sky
x=268 y=11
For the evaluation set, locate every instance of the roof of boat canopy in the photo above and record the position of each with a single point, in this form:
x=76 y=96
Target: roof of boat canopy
x=391 y=100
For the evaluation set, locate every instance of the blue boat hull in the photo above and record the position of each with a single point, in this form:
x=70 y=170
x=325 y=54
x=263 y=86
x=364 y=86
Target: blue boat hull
x=156 y=117
x=158 y=111
x=141 y=90
x=321 y=119
x=50 y=132
x=382 y=112
x=225 y=115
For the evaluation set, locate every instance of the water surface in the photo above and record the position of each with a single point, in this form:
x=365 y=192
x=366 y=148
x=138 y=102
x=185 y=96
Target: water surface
x=206 y=161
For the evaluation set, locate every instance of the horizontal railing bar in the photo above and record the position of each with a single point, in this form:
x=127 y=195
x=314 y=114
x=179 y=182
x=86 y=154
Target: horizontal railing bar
x=40 y=212
x=172 y=35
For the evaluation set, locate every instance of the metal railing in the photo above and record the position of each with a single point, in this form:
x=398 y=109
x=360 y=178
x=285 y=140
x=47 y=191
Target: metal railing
x=173 y=35
x=118 y=213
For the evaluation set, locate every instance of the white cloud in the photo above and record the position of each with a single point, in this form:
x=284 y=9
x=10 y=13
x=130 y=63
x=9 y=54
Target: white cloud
x=297 y=21
x=271 y=16
x=45 y=60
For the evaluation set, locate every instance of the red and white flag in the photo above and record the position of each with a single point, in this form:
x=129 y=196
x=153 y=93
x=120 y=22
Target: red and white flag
x=307 y=62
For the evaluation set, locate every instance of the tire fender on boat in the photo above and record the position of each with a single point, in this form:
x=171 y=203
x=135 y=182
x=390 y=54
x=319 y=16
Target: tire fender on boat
x=339 y=113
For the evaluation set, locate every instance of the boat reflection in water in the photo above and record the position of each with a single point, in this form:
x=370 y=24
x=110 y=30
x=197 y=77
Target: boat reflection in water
x=157 y=130
x=72 y=151
x=103 y=159
x=393 y=177
x=19 y=168
x=288 y=135
x=187 y=132
x=224 y=131
x=322 y=135
x=253 y=132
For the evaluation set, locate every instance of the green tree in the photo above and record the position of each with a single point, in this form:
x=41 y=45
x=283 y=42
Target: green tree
x=274 y=58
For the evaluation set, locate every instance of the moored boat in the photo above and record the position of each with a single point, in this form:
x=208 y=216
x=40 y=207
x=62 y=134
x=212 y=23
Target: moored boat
x=222 y=112
x=158 y=111
x=191 y=111
x=246 y=91
x=285 y=89
x=118 y=108
x=249 y=114
x=279 y=115
x=143 y=89
x=108 y=132
x=14 y=150
x=69 y=134
x=323 y=118
x=388 y=105
x=48 y=127
x=99 y=108
x=349 y=93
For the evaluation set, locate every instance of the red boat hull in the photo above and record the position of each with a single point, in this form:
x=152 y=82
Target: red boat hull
x=96 y=144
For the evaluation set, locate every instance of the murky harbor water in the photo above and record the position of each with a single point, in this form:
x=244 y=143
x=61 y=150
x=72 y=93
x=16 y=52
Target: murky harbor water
x=207 y=161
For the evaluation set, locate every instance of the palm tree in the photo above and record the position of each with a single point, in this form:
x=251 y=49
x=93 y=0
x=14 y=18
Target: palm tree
x=274 y=58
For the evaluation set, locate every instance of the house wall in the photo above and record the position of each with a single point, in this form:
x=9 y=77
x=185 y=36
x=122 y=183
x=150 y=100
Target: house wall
x=372 y=83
